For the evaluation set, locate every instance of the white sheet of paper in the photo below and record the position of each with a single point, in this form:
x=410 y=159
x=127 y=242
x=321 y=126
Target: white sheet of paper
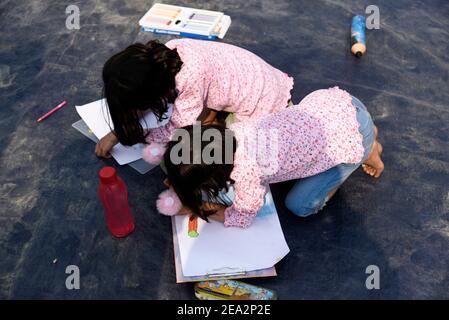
x=96 y=116
x=220 y=250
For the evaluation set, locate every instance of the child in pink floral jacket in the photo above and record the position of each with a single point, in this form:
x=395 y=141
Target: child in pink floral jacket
x=197 y=77
x=318 y=143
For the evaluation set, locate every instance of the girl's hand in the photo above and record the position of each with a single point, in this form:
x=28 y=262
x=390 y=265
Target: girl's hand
x=184 y=211
x=219 y=214
x=207 y=116
x=105 y=145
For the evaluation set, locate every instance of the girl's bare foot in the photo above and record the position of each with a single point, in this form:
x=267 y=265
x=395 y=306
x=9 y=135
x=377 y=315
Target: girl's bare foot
x=374 y=165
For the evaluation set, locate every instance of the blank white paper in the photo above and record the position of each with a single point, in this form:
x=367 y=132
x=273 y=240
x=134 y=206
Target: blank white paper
x=221 y=250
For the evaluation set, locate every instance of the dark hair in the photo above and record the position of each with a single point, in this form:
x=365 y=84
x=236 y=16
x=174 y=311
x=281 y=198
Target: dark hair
x=190 y=180
x=139 y=78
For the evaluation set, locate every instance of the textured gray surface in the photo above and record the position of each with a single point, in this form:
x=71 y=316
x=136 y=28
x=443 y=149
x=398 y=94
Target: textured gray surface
x=48 y=203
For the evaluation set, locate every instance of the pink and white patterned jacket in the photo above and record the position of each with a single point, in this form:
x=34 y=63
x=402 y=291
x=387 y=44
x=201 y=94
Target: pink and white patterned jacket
x=319 y=133
x=222 y=77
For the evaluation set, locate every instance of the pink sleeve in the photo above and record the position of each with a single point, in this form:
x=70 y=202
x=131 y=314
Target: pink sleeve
x=249 y=198
x=188 y=106
x=189 y=103
x=160 y=135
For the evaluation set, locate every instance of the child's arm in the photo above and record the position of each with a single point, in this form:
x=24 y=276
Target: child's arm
x=207 y=116
x=249 y=198
x=219 y=211
x=217 y=216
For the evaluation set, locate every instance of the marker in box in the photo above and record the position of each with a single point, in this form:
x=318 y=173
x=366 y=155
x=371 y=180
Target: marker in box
x=187 y=22
x=232 y=290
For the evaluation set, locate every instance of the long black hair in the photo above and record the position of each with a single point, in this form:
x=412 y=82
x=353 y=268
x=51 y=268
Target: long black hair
x=190 y=180
x=139 y=78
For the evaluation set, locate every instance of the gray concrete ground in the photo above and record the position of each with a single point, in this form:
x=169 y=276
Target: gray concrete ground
x=48 y=203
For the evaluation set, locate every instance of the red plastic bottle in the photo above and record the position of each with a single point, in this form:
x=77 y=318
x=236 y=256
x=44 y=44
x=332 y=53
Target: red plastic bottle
x=114 y=196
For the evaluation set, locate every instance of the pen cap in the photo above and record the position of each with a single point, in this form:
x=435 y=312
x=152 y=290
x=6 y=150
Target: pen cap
x=108 y=175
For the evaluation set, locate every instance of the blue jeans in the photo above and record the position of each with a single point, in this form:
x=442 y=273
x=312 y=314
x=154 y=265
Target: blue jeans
x=309 y=195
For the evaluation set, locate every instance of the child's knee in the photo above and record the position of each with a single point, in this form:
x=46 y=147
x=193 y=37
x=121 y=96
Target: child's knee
x=303 y=209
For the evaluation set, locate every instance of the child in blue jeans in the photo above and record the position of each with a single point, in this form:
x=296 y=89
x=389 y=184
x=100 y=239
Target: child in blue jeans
x=320 y=143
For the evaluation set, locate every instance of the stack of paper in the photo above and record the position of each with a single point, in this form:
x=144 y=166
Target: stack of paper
x=97 y=118
x=220 y=252
x=96 y=122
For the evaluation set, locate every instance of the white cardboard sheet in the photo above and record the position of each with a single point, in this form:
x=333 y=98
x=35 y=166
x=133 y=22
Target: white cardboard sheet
x=97 y=118
x=220 y=250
